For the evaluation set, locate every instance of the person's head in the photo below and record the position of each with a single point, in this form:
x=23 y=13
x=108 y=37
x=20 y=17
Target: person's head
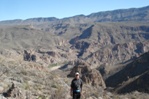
x=77 y=75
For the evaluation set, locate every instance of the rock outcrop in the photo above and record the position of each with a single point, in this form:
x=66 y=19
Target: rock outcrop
x=93 y=78
x=88 y=75
x=11 y=91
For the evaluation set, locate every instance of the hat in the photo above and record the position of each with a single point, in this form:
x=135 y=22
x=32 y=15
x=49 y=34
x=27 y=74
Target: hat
x=77 y=73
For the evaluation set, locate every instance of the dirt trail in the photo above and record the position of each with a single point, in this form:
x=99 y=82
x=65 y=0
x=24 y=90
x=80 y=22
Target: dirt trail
x=55 y=67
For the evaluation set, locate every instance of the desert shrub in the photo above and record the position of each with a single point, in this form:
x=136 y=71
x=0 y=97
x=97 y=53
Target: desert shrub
x=26 y=86
x=54 y=86
x=24 y=72
x=53 y=65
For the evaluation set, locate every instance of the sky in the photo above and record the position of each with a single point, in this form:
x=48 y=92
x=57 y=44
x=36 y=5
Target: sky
x=24 y=9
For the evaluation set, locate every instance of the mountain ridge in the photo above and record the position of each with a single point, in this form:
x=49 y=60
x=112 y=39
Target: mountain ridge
x=119 y=15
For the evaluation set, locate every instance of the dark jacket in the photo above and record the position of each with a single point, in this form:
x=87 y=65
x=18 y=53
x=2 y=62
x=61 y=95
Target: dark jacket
x=76 y=84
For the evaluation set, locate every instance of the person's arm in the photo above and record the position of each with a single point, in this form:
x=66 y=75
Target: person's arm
x=71 y=89
x=81 y=85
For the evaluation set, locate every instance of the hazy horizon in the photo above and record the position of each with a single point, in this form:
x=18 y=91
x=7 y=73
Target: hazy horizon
x=24 y=9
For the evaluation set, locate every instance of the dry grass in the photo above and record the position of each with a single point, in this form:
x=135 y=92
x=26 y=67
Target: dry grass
x=38 y=84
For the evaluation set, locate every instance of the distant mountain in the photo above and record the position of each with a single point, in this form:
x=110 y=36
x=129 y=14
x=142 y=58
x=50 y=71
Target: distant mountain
x=132 y=14
x=29 y=21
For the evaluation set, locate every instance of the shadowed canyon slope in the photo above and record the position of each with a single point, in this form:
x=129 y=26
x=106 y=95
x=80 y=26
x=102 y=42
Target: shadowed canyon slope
x=134 y=76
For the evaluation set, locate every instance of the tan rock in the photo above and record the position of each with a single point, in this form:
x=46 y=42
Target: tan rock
x=1 y=89
x=89 y=76
x=94 y=78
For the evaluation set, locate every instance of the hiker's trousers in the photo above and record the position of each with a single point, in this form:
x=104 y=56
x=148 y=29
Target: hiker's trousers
x=76 y=95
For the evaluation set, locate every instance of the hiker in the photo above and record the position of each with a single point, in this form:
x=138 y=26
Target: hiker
x=76 y=87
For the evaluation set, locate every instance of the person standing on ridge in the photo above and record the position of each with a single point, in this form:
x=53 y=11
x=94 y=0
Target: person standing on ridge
x=76 y=86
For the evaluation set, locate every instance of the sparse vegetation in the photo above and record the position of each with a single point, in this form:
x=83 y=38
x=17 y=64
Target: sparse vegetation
x=53 y=65
x=26 y=86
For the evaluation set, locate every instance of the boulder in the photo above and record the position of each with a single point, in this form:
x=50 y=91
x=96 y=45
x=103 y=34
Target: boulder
x=28 y=56
x=14 y=91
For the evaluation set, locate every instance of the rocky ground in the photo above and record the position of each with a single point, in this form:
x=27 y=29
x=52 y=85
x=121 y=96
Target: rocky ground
x=30 y=80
